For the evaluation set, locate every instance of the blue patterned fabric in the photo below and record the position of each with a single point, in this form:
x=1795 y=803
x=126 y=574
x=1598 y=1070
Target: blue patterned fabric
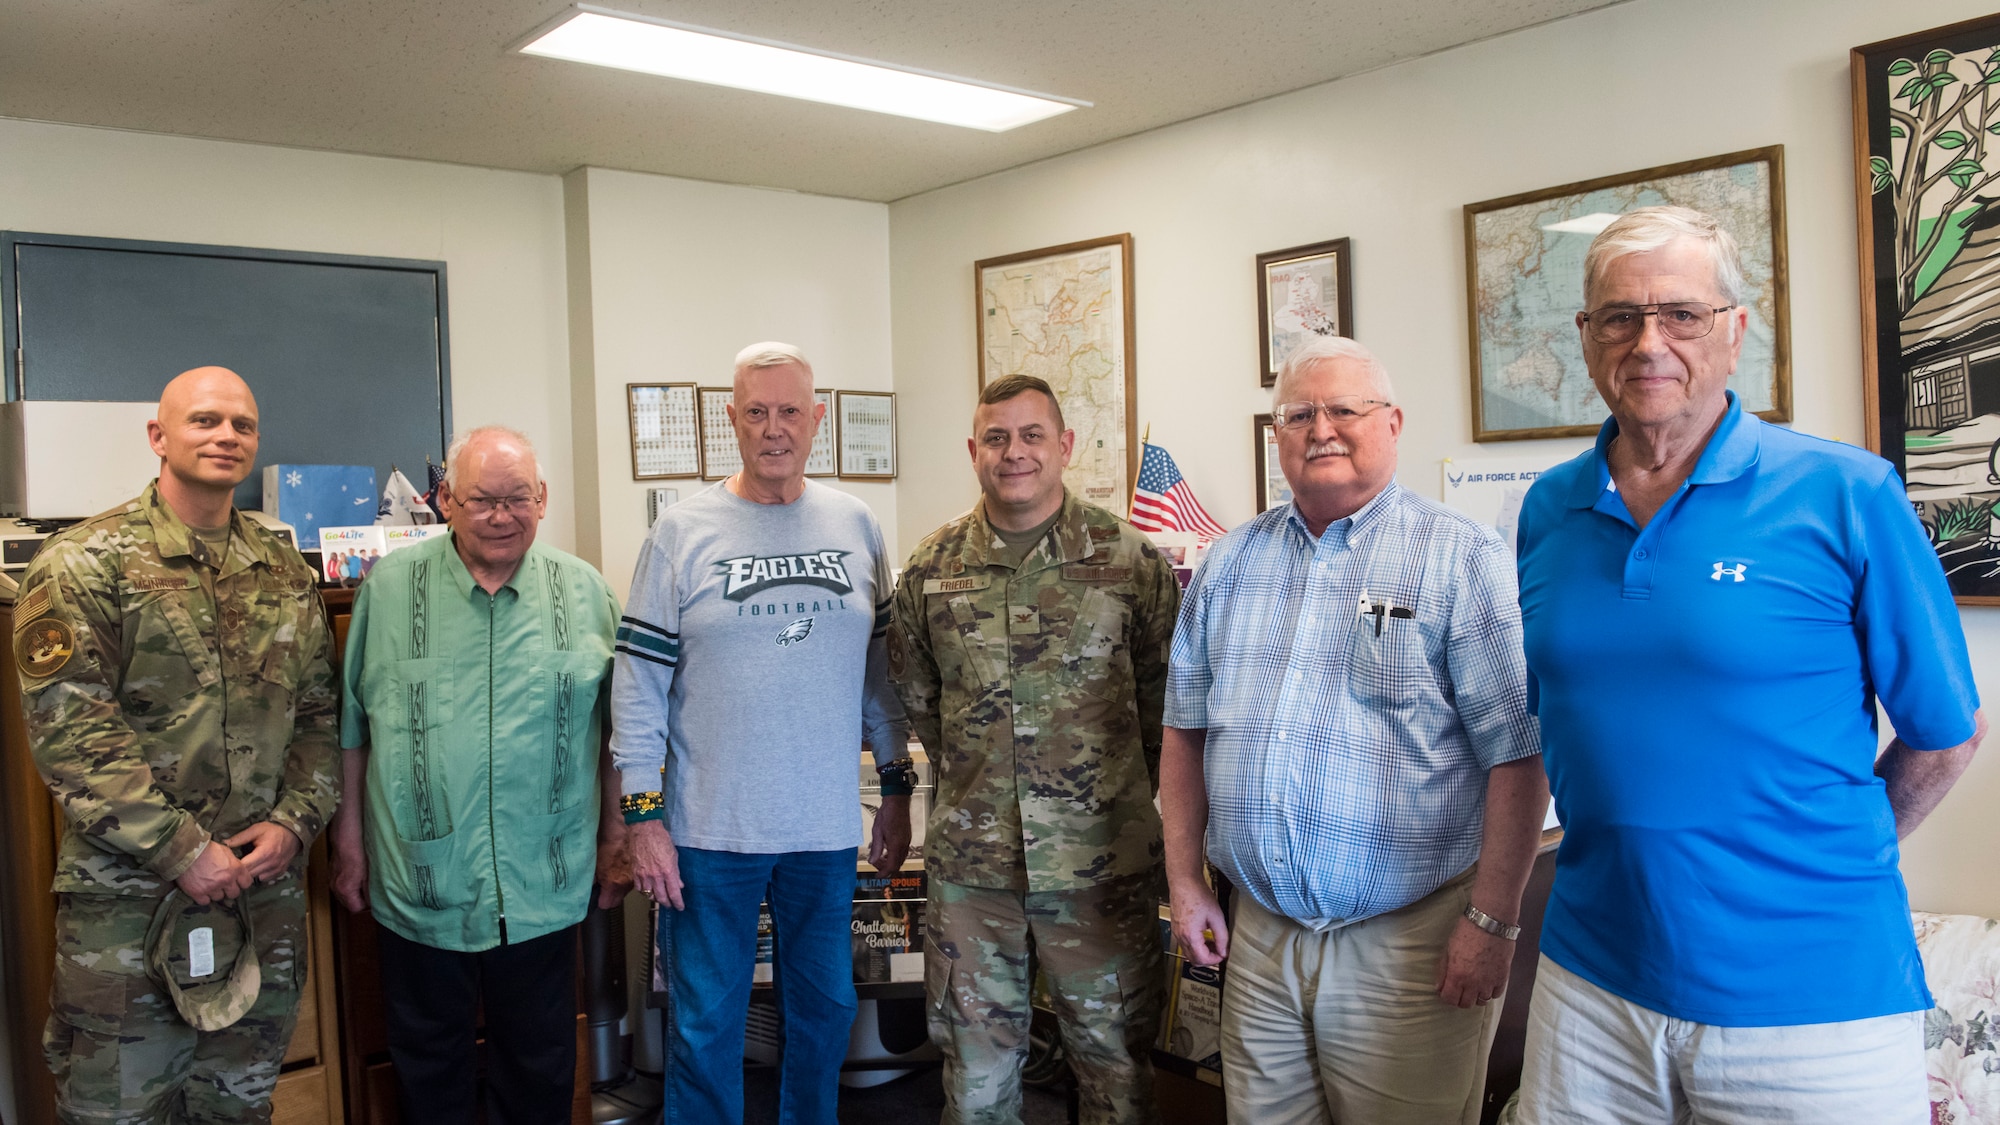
x=1347 y=749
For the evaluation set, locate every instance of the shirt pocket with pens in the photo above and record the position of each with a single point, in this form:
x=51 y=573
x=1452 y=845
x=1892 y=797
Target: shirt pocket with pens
x=1387 y=663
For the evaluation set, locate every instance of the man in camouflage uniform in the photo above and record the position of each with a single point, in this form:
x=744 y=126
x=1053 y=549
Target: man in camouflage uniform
x=179 y=703
x=1029 y=647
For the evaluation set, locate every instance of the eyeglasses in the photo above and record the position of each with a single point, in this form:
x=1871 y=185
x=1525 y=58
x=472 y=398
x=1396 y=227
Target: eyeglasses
x=484 y=507
x=1679 y=320
x=1342 y=411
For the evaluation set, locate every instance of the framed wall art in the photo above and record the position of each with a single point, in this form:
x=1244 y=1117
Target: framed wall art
x=1524 y=281
x=867 y=434
x=666 y=430
x=1927 y=174
x=1064 y=313
x=1302 y=292
x=824 y=460
x=1272 y=487
x=721 y=457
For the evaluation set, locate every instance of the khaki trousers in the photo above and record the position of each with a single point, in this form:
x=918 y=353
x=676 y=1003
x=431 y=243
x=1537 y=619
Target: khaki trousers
x=1345 y=1025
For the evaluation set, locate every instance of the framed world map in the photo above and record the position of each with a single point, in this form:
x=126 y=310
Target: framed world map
x=1524 y=276
x=1064 y=314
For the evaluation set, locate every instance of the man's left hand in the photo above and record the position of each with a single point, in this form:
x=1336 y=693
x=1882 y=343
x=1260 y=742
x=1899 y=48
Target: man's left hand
x=1474 y=968
x=890 y=844
x=614 y=869
x=272 y=849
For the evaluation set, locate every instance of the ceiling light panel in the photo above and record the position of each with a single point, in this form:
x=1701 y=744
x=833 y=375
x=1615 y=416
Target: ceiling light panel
x=601 y=38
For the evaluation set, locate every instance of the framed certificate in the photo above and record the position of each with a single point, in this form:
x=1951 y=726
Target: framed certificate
x=666 y=432
x=824 y=460
x=720 y=455
x=867 y=434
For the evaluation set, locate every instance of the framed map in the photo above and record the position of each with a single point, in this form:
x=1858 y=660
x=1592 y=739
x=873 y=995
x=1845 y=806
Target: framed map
x=1524 y=276
x=1064 y=314
x=1301 y=292
x=1925 y=181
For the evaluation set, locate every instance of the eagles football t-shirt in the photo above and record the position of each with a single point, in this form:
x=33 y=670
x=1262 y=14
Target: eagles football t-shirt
x=752 y=665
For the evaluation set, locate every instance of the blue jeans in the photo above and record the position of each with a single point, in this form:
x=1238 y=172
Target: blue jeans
x=707 y=952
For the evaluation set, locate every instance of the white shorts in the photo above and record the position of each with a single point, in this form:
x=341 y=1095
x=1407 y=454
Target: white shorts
x=1594 y=1058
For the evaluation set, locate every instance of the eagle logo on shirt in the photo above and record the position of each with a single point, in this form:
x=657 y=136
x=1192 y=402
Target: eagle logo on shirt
x=795 y=632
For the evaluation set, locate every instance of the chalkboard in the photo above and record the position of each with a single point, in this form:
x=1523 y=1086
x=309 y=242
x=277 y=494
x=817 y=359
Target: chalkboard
x=347 y=355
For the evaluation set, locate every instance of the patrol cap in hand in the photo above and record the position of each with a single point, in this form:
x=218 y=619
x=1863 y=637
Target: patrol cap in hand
x=196 y=933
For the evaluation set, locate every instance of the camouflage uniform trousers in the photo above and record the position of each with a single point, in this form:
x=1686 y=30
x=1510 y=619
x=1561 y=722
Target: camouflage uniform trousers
x=119 y=1050
x=1100 y=949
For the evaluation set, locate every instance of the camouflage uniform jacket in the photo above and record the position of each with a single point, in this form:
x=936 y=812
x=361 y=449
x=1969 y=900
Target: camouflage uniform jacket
x=173 y=697
x=1037 y=692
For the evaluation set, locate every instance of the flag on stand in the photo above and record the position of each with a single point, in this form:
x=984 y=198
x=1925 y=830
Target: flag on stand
x=401 y=503
x=1164 y=501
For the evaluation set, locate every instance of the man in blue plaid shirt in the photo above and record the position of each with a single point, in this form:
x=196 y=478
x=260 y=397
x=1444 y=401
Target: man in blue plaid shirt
x=1347 y=730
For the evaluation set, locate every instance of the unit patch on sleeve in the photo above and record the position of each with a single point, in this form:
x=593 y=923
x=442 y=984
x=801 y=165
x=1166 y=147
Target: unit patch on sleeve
x=43 y=647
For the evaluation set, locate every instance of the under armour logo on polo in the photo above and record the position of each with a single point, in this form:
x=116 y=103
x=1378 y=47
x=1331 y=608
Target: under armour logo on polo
x=1735 y=572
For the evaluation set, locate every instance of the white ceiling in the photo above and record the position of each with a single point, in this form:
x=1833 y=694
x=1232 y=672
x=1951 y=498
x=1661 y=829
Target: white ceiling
x=434 y=79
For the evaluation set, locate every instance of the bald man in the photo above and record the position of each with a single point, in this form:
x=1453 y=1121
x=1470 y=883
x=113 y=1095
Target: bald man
x=173 y=661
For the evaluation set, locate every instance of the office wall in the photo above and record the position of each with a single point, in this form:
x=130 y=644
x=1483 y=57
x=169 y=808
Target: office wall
x=680 y=276
x=500 y=235
x=1389 y=159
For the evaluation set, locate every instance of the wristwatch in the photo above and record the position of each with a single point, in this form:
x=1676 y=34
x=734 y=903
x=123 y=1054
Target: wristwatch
x=898 y=778
x=1490 y=924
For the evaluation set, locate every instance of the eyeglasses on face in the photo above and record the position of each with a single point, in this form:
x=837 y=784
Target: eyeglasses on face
x=1341 y=411
x=1679 y=320
x=485 y=507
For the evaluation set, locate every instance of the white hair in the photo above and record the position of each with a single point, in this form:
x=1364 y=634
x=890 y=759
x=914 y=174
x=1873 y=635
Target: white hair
x=458 y=446
x=1330 y=349
x=1649 y=228
x=771 y=353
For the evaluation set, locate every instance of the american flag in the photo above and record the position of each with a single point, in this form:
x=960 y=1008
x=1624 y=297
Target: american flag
x=1164 y=502
x=436 y=475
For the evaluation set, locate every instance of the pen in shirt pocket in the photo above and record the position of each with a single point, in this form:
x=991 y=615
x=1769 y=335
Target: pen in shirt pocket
x=1384 y=610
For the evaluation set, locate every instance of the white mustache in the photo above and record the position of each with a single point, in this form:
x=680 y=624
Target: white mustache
x=1330 y=448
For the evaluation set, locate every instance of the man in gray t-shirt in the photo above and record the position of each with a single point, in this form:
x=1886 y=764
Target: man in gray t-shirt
x=751 y=666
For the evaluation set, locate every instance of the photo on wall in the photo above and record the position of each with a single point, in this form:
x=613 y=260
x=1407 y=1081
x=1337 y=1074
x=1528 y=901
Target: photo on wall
x=1927 y=180
x=1302 y=292
x=1524 y=276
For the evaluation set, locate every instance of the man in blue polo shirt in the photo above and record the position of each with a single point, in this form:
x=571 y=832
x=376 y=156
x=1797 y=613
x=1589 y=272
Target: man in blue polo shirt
x=1712 y=607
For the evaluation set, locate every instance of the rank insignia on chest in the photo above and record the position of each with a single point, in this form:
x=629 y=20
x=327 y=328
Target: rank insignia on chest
x=1023 y=619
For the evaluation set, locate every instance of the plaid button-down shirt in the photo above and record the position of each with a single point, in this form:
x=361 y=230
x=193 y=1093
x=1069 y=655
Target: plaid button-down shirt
x=1355 y=690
